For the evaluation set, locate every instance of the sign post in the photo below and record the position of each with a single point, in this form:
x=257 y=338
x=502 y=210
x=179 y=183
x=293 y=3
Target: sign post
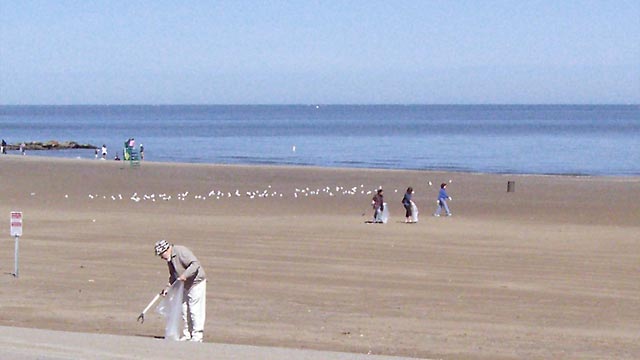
x=16 y=231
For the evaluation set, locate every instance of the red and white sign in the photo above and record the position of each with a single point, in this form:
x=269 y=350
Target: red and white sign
x=16 y=223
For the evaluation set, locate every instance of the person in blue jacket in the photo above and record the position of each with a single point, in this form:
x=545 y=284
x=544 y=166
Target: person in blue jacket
x=443 y=197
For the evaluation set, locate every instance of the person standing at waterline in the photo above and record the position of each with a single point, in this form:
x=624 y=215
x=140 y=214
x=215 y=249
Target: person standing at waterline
x=184 y=266
x=442 y=200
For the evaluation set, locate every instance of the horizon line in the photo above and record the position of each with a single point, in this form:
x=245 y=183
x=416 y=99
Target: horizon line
x=328 y=104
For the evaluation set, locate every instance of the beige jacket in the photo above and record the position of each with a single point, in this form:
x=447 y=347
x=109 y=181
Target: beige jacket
x=183 y=262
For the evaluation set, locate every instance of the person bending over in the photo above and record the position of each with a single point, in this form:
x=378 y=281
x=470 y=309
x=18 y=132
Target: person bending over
x=185 y=267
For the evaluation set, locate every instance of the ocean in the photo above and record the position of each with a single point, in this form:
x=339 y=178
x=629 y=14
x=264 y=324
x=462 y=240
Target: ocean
x=515 y=139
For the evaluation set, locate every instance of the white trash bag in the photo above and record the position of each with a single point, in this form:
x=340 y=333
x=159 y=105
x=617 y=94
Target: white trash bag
x=414 y=212
x=383 y=215
x=171 y=308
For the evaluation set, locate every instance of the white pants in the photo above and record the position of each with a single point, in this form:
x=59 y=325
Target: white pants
x=194 y=308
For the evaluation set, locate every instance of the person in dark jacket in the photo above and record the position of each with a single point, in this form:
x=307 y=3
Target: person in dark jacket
x=407 y=203
x=378 y=205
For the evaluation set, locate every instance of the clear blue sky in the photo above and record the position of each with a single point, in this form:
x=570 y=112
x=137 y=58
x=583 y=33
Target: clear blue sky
x=308 y=52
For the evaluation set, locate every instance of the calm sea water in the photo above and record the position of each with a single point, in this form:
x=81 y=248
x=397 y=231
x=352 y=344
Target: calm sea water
x=541 y=139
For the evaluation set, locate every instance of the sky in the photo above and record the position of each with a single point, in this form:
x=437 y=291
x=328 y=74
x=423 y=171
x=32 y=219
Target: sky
x=62 y=52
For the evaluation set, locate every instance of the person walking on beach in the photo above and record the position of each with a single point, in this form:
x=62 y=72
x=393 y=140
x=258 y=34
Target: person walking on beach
x=141 y=152
x=442 y=200
x=377 y=202
x=3 y=150
x=104 y=152
x=184 y=266
x=408 y=205
x=23 y=148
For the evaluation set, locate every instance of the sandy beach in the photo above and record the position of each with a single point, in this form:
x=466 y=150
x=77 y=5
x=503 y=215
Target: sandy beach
x=549 y=271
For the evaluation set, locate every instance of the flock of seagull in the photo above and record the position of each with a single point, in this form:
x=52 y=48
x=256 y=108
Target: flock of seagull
x=267 y=192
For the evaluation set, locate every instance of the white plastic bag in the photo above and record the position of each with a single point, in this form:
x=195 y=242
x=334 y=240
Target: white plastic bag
x=384 y=214
x=171 y=308
x=414 y=212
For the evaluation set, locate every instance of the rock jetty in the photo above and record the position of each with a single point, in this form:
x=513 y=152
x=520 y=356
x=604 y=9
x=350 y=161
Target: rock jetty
x=51 y=145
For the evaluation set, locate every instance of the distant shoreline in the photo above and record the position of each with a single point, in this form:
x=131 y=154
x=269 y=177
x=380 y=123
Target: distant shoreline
x=40 y=157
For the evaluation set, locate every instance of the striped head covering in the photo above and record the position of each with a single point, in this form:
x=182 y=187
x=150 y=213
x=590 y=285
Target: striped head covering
x=162 y=246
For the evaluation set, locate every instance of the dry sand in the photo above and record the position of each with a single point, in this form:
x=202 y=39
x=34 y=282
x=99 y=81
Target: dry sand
x=548 y=271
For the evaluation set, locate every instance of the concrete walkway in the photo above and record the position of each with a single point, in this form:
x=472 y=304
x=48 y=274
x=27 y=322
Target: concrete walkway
x=36 y=344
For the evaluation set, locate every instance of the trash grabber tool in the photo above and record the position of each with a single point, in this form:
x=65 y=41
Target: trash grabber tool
x=141 y=316
x=153 y=301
